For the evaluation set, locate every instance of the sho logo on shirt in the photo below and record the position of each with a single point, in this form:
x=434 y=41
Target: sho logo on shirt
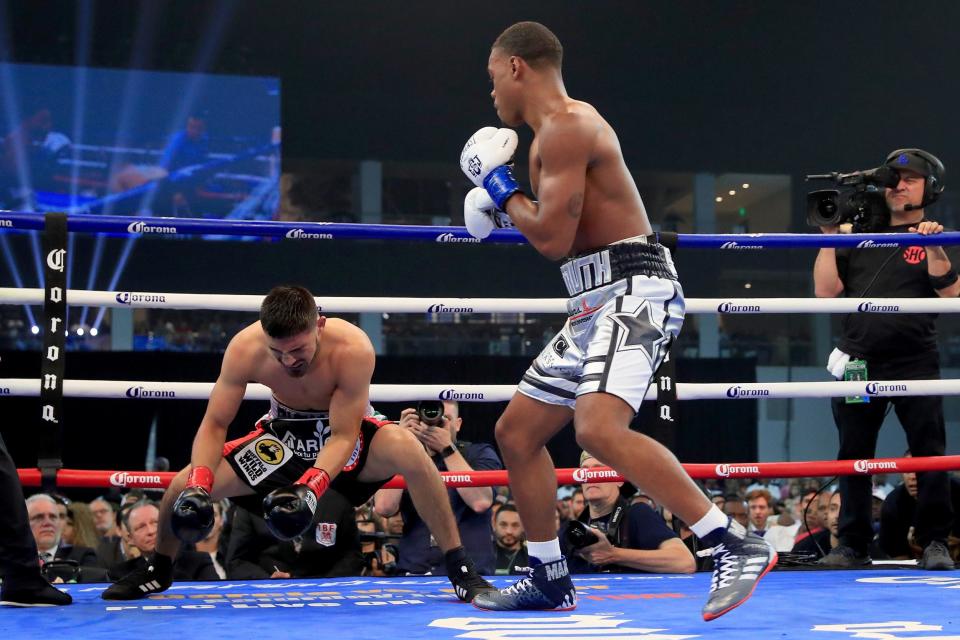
x=914 y=255
x=327 y=533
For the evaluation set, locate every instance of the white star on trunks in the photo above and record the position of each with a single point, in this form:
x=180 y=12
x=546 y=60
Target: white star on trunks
x=639 y=331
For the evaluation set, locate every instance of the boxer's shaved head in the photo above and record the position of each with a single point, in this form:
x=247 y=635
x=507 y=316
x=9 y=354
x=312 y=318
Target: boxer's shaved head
x=288 y=311
x=533 y=42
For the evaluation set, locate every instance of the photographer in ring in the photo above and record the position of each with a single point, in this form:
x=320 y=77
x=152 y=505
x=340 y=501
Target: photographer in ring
x=436 y=425
x=613 y=536
x=885 y=346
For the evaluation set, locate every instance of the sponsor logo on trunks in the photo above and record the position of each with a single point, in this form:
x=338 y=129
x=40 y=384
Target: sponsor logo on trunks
x=307 y=447
x=124 y=479
x=326 y=533
x=250 y=459
x=585 y=475
x=453 y=394
x=142 y=392
x=297 y=234
x=869 y=307
x=736 y=391
x=730 y=307
x=126 y=297
x=355 y=456
x=143 y=227
x=870 y=244
x=442 y=308
x=736 y=246
x=874 y=388
x=727 y=470
x=55 y=259
x=6 y=223
x=865 y=466
x=449 y=237
x=560 y=346
x=270 y=451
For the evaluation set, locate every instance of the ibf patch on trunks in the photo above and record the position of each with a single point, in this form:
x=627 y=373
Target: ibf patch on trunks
x=260 y=457
x=327 y=533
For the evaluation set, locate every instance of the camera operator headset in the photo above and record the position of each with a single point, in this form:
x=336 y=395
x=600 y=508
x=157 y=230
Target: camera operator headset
x=887 y=346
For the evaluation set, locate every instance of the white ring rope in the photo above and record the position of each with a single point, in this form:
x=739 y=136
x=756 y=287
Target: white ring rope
x=143 y=390
x=222 y=302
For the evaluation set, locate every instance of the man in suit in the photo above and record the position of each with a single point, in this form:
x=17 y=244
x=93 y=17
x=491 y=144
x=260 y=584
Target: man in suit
x=46 y=523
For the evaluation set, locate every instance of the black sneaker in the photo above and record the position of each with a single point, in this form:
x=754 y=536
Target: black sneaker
x=467 y=583
x=936 y=557
x=39 y=593
x=738 y=564
x=844 y=557
x=152 y=577
x=547 y=587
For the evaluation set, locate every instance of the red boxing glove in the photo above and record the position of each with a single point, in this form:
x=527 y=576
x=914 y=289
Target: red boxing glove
x=202 y=477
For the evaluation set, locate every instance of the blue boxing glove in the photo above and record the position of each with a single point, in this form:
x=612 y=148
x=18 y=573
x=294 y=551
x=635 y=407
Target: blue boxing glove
x=289 y=511
x=486 y=159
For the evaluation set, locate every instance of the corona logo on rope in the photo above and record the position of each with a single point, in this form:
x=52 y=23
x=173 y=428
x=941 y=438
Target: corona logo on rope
x=735 y=470
x=442 y=308
x=736 y=246
x=870 y=244
x=866 y=466
x=143 y=227
x=297 y=234
x=6 y=223
x=453 y=394
x=141 y=392
x=463 y=477
x=128 y=298
x=55 y=259
x=585 y=475
x=124 y=479
x=4 y=391
x=736 y=391
x=874 y=388
x=449 y=237
x=730 y=307
x=870 y=307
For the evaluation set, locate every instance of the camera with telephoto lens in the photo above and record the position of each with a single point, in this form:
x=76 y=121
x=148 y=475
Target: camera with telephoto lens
x=430 y=412
x=857 y=199
x=579 y=535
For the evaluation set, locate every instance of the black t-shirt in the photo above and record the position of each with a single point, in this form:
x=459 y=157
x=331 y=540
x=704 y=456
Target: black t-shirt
x=896 y=272
x=898 y=515
x=641 y=528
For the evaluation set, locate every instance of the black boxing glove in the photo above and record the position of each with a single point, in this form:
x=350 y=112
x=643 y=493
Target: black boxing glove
x=192 y=517
x=289 y=511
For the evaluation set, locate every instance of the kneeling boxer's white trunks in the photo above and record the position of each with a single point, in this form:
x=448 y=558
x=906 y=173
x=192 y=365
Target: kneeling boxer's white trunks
x=625 y=309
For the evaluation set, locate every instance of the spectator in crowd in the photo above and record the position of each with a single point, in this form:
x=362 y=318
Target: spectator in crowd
x=808 y=514
x=718 y=499
x=817 y=545
x=140 y=522
x=330 y=548
x=104 y=515
x=759 y=509
x=629 y=538
x=511 y=549
x=898 y=520
x=79 y=529
x=577 y=503
x=211 y=544
x=564 y=496
x=736 y=508
x=47 y=527
x=783 y=533
x=419 y=553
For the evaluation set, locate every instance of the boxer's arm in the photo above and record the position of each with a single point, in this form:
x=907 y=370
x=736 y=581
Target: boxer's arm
x=386 y=502
x=222 y=407
x=348 y=406
x=566 y=144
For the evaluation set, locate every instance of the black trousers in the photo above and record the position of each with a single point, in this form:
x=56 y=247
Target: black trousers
x=922 y=420
x=19 y=560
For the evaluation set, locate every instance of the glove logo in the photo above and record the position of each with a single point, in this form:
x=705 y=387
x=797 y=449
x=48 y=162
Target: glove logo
x=474 y=166
x=270 y=451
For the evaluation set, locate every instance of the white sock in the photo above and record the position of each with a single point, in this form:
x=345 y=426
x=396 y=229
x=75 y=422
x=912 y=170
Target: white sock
x=713 y=520
x=544 y=551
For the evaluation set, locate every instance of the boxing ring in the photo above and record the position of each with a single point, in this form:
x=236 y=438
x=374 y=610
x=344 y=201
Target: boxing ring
x=886 y=601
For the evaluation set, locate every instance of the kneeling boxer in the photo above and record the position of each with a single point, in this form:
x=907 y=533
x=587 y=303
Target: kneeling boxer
x=297 y=452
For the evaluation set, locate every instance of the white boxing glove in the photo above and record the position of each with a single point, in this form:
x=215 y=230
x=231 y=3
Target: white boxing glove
x=481 y=216
x=486 y=150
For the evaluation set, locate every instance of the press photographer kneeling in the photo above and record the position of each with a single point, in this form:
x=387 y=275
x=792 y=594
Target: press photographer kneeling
x=611 y=535
x=887 y=346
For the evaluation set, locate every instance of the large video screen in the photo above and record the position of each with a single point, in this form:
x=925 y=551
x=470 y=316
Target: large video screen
x=128 y=142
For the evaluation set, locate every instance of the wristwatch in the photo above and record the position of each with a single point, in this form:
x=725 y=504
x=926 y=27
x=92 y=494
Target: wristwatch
x=448 y=451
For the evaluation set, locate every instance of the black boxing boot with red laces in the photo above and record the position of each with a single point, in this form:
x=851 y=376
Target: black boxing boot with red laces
x=546 y=587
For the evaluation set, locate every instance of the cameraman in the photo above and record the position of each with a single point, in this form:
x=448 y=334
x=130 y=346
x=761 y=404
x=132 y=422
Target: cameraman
x=892 y=347
x=436 y=425
x=629 y=538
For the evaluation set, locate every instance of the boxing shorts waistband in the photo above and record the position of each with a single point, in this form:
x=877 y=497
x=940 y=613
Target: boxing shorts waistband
x=639 y=256
x=282 y=411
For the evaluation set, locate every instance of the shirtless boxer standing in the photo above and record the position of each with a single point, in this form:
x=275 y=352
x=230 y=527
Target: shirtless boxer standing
x=626 y=307
x=319 y=371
